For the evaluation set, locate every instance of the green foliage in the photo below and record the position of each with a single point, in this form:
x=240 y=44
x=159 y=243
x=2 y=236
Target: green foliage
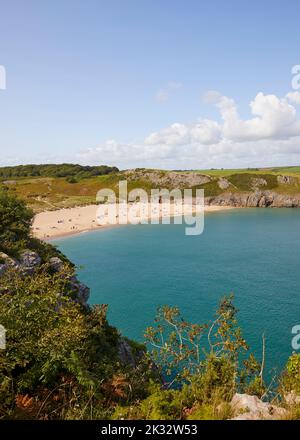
x=58 y=349
x=246 y=181
x=15 y=221
x=175 y=343
x=52 y=170
x=208 y=357
x=162 y=405
x=211 y=189
x=72 y=179
x=291 y=376
x=174 y=404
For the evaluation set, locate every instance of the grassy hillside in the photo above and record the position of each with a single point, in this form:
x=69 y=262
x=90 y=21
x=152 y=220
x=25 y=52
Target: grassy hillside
x=292 y=171
x=52 y=191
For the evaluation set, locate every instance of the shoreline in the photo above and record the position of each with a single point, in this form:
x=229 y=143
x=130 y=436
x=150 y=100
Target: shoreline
x=66 y=222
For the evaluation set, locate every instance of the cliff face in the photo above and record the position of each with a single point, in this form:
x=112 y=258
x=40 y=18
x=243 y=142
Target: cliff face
x=256 y=199
x=240 y=190
x=30 y=261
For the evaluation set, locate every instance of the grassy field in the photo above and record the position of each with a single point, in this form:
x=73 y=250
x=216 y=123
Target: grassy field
x=50 y=193
x=290 y=171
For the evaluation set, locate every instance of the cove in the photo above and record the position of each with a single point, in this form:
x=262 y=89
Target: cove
x=254 y=253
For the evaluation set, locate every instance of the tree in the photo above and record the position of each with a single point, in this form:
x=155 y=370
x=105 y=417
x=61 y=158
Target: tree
x=209 y=357
x=15 y=222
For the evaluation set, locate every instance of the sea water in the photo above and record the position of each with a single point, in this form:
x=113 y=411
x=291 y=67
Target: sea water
x=254 y=253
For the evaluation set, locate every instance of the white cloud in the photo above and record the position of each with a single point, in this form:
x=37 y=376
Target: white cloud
x=204 y=131
x=271 y=136
x=175 y=134
x=274 y=118
x=164 y=93
x=293 y=97
x=211 y=97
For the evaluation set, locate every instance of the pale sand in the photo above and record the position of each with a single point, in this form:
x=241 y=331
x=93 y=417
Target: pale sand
x=63 y=222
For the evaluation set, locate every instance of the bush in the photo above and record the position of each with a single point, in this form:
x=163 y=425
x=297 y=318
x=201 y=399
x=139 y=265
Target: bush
x=209 y=357
x=245 y=181
x=291 y=376
x=15 y=222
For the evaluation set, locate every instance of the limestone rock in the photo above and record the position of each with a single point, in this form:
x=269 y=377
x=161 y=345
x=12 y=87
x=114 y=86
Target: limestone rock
x=173 y=179
x=286 y=180
x=80 y=291
x=29 y=260
x=223 y=183
x=262 y=199
x=292 y=398
x=6 y=262
x=125 y=353
x=257 y=182
x=2 y=268
x=247 y=407
x=56 y=264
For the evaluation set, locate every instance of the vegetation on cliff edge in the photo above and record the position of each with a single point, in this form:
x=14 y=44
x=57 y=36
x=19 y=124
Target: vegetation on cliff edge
x=64 y=361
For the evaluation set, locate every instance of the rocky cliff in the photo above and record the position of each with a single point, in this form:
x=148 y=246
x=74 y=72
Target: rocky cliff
x=255 y=199
x=30 y=261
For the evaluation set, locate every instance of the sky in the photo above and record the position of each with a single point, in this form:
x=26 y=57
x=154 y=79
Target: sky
x=174 y=84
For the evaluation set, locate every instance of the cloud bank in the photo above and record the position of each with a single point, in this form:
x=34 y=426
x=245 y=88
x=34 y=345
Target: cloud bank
x=271 y=136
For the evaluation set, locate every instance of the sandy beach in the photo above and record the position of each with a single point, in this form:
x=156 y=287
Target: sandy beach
x=59 y=223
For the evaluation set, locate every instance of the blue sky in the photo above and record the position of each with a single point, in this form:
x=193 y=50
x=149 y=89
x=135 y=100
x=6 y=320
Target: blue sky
x=122 y=82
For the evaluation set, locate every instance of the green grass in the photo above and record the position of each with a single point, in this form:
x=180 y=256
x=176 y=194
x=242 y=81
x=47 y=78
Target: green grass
x=244 y=182
x=49 y=193
x=211 y=189
x=228 y=172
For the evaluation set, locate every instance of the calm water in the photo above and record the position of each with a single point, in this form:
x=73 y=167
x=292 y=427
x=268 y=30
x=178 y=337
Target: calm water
x=254 y=253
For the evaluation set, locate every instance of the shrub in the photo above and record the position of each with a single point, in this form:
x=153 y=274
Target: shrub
x=245 y=181
x=15 y=222
x=291 y=376
x=209 y=357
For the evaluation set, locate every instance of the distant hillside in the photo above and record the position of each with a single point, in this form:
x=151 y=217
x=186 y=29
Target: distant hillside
x=49 y=187
x=53 y=170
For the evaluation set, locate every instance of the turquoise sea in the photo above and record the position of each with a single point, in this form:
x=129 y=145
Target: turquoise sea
x=254 y=253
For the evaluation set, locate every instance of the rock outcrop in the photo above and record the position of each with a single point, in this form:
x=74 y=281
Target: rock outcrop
x=223 y=183
x=56 y=264
x=6 y=262
x=173 y=179
x=78 y=290
x=29 y=261
x=125 y=353
x=247 y=407
x=257 y=182
x=256 y=199
x=292 y=398
x=286 y=180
